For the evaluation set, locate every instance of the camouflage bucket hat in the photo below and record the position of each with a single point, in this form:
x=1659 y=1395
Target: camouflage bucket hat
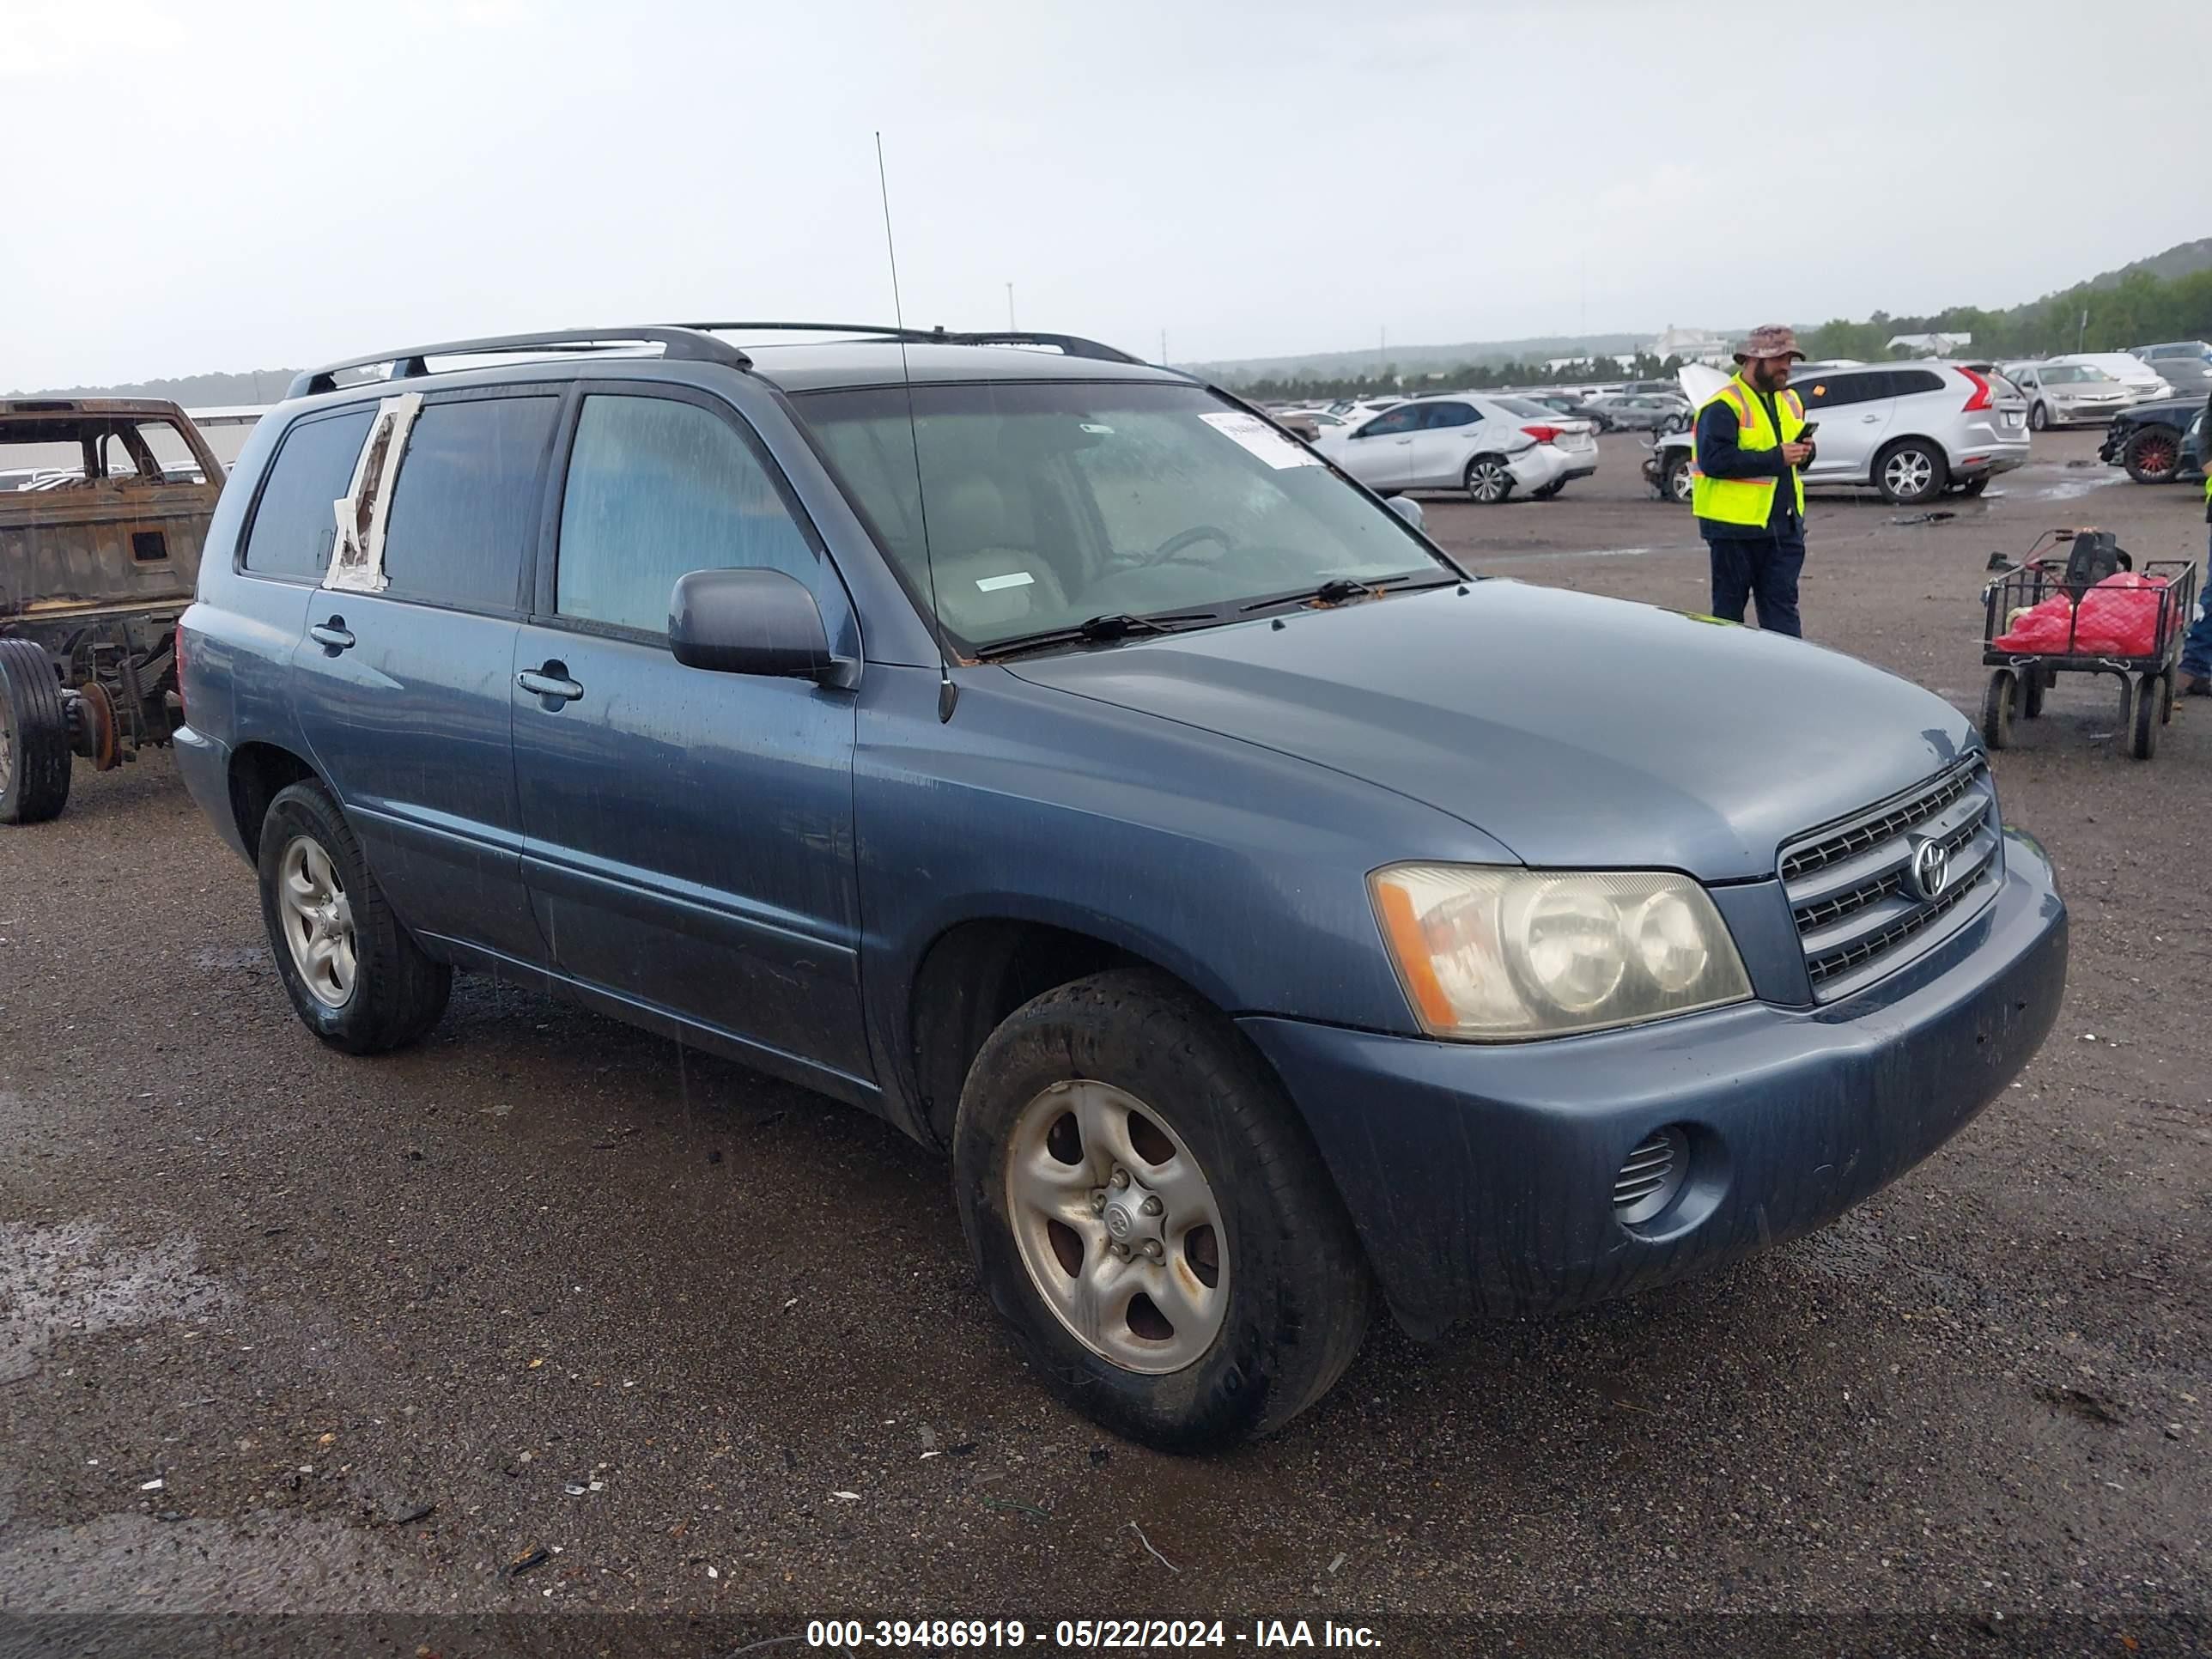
x=1775 y=340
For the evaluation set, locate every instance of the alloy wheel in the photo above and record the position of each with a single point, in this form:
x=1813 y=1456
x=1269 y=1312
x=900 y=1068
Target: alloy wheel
x=1908 y=475
x=1118 y=1227
x=1487 y=482
x=317 y=922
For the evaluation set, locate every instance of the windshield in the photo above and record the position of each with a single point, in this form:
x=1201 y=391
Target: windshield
x=2072 y=374
x=1050 y=503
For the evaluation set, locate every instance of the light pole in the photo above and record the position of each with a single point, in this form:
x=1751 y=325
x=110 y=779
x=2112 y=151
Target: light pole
x=1011 y=326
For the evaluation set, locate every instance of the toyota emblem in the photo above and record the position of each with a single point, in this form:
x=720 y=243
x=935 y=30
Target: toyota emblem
x=1931 y=868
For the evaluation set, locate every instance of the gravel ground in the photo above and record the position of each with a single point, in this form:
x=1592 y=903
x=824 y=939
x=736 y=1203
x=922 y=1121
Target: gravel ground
x=284 y=1331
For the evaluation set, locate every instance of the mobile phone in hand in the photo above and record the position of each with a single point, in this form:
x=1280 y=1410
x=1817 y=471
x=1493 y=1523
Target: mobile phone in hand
x=1805 y=436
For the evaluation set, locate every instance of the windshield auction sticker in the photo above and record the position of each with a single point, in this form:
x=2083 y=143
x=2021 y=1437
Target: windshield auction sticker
x=1262 y=440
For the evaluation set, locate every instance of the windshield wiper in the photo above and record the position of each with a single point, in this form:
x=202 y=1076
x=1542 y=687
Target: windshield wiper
x=1102 y=630
x=1339 y=589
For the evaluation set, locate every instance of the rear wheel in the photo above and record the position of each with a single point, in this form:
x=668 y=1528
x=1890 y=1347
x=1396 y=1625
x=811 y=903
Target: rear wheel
x=1996 y=708
x=2152 y=455
x=1911 y=471
x=1146 y=1211
x=34 y=736
x=1487 y=481
x=2037 y=681
x=1975 y=486
x=1549 y=491
x=357 y=978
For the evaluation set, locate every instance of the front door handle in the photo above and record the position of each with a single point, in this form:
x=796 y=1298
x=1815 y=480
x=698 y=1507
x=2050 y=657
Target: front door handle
x=332 y=635
x=1405 y=441
x=551 y=683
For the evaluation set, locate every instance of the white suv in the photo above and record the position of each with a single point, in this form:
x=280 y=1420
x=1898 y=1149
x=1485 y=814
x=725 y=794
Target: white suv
x=1910 y=430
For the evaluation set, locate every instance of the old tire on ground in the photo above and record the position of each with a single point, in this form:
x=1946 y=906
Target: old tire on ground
x=2152 y=455
x=34 y=736
x=1996 y=708
x=1487 y=481
x=356 y=977
x=1676 y=484
x=1239 y=1299
x=2143 y=726
x=1910 y=471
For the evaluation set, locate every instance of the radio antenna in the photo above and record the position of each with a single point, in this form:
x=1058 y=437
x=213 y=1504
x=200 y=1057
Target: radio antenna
x=948 y=695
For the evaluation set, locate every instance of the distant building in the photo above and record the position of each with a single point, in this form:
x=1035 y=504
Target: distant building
x=1553 y=365
x=1694 y=345
x=1930 y=345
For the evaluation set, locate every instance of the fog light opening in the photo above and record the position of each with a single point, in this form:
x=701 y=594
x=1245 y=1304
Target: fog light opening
x=1652 y=1177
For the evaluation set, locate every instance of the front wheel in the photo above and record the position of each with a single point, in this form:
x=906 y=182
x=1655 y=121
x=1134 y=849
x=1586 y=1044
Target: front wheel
x=1678 y=483
x=1911 y=472
x=357 y=978
x=2039 y=417
x=1487 y=481
x=34 y=736
x=1148 y=1214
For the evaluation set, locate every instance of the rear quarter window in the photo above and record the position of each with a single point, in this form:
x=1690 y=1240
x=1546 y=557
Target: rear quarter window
x=1912 y=382
x=465 y=506
x=294 y=523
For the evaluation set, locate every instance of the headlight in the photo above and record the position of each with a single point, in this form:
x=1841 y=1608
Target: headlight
x=1504 y=956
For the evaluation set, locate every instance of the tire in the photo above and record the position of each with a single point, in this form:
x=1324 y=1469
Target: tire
x=1974 y=487
x=2165 y=697
x=1910 y=471
x=2039 y=417
x=1549 y=492
x=1996 y=708
x=1291 y=1297
x=1676 y=484
x=2031 y=692
x=2152 y=455
x=2144 y=727
x=34 y=736
x=392 y=993
x=1487 y=482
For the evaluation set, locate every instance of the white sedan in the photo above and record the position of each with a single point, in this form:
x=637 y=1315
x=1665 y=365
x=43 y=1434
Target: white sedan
x=1480 y=445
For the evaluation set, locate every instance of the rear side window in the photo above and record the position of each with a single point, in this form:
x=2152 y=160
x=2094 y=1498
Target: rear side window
x=464 y=507
x=294 y=524
x=1450 y=415
x=1911 y=382
x=1817 y=393
x=655 y=489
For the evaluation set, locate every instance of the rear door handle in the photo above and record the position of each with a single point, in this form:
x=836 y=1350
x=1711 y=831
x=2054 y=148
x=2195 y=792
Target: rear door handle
x=332 y=635
x=551 y=683
x=1869 y=419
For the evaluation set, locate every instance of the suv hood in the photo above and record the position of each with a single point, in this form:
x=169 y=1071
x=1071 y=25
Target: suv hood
x=1575 y=731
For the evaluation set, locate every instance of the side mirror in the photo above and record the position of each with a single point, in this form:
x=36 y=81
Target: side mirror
x=1410 y=510
x=749 y=622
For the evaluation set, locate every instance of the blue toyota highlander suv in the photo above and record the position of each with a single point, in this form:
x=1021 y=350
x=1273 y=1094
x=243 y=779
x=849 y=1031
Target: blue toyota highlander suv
x=1048 y=753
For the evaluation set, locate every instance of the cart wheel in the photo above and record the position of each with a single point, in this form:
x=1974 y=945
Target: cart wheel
x=2165 y=698
x=2149 y=698
x=2031 y=690
x=1996 y=708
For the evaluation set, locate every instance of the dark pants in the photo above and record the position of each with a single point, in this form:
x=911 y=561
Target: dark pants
x=1763 y=568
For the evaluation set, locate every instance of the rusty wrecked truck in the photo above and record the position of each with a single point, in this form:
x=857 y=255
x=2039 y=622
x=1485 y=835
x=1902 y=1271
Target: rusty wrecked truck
x=104 y=506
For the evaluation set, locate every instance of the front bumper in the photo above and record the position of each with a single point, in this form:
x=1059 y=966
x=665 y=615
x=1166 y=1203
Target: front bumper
x=1480 y=1178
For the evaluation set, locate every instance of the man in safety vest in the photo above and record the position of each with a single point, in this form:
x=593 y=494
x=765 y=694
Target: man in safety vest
x=2196 y=649
x=1745 y=487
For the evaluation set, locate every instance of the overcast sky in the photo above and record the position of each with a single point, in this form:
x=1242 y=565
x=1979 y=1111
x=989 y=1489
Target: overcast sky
x=225 y=186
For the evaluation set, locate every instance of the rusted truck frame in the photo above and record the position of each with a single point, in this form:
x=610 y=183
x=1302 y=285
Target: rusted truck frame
x=94 y=570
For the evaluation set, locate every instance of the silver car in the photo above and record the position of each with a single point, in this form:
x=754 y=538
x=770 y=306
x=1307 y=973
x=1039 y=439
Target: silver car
x=1468 y=441
x=1909 y=430
x=2067 y=394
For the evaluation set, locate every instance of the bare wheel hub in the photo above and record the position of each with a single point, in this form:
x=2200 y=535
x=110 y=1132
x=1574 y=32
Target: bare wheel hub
x=1117 y=1226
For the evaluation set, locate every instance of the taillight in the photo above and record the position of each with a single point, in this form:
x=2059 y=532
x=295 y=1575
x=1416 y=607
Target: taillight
x=1545 y=434
x=177 y=636
x=1981 y=398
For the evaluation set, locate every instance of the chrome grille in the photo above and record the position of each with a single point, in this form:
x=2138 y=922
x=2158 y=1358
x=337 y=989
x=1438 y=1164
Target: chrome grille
x=1857 y=911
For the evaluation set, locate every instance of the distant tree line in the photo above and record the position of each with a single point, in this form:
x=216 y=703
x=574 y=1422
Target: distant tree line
x=2138 y=309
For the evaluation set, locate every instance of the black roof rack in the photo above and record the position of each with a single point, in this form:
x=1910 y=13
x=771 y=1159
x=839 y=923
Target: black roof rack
x=1072 y=345
x=687 y=344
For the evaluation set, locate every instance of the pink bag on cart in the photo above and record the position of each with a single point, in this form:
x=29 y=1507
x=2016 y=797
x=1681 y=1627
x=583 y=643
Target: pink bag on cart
x=2119 y=617
x=2043 y=630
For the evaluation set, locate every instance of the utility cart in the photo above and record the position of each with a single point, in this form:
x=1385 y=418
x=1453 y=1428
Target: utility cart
x=2090 y=612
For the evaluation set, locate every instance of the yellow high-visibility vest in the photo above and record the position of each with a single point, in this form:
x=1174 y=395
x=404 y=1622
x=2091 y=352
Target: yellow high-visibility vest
x=1747 y=501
